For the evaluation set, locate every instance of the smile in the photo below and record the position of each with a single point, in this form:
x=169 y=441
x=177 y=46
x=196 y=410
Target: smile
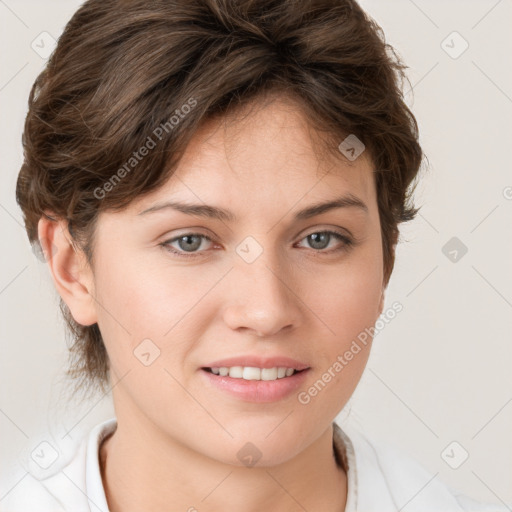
x=256 y=379
x=253 y=373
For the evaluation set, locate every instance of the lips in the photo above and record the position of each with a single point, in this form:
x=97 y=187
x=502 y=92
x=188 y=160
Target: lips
x=256 y=379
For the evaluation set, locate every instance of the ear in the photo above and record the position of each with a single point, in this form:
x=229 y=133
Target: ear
x=71 y=274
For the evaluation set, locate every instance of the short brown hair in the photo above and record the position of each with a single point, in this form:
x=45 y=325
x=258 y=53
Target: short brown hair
x=122 y=69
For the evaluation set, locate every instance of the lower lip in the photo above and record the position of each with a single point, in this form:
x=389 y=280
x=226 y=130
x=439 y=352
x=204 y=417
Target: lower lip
x=261 y=391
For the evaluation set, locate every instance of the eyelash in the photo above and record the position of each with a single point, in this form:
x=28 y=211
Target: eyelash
x=348 y=243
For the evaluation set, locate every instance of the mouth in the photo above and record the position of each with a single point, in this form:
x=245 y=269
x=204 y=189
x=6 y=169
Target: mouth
x=253 y=372
x=256 y=379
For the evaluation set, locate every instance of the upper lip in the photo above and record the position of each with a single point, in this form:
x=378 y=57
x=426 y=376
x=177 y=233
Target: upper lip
x=258 y=362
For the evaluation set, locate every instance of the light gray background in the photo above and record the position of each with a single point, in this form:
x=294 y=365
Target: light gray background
x=440 y=371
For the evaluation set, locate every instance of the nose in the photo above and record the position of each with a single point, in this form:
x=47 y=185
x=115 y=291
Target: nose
x=262 y=299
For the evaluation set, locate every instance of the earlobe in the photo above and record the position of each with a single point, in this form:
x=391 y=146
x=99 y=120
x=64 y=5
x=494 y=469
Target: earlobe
x=71 y=274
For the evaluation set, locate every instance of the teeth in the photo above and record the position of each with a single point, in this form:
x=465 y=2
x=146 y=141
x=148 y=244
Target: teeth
x=269 y=373
x=236 y=372
x=253 y=373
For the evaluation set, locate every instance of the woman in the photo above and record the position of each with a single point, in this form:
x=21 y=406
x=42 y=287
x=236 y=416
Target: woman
x=217 y=188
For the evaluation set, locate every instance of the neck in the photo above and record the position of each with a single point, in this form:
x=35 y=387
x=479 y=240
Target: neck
x=141 y=472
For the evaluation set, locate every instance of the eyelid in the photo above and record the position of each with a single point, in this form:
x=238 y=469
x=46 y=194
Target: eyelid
x=334 y=229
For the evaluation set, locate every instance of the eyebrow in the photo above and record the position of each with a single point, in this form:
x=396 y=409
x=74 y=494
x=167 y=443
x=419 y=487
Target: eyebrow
x=214 y=212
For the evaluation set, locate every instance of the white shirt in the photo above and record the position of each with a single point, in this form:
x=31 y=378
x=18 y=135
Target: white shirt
x=380 y=478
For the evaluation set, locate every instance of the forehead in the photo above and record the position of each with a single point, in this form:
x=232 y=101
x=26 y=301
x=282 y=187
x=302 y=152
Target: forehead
x=266 y=152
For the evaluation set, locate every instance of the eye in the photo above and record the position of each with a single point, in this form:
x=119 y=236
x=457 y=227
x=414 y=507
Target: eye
x=320 y=240
x=187 y=243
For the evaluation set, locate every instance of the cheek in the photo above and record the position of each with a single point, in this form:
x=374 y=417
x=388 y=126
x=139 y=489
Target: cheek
x=137 y=300
x=347 y=297
x=348 y=307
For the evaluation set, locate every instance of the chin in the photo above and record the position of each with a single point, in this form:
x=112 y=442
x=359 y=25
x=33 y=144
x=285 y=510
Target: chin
x=261 y=445
x=248 y=454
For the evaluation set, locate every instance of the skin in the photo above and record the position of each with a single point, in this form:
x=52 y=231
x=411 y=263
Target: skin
x=176 y=444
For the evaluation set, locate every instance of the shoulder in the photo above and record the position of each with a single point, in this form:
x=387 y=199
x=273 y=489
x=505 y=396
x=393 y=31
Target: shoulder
x=386 y=479
x=65 y=478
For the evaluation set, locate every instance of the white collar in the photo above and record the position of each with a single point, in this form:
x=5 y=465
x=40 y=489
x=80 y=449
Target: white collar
x=380 y=477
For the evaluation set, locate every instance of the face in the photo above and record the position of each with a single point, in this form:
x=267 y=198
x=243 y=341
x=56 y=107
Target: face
x=202 y=314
